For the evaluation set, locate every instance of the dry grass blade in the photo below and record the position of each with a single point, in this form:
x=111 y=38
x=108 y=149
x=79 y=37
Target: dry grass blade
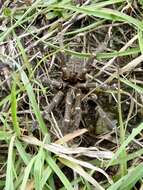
x=82 y=173
x=90 y=151
x=109 y=63
x=30 y=185
x=98 y=154
x=59 y=149
x=71 y=136
x=127 y=68
x=131 y=65
x=86 y=165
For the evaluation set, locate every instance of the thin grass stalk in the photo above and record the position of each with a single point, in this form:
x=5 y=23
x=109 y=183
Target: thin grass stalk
x=123 y=155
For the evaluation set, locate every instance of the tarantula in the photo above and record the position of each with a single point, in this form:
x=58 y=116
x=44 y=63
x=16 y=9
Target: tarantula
x=74 y=83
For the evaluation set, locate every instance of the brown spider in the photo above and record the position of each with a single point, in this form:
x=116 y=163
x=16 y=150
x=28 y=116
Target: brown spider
x=73 y=84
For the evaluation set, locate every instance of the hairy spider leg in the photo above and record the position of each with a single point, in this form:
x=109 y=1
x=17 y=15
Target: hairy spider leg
x=54 y=83
x=68 y=107
x=86 y=85
x=77 y=111
x=96 y=85
x=55 y=102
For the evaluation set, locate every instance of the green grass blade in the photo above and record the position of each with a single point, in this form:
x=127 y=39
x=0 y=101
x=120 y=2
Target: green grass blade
x=27 y=173
x=106 y=3
x=129 y=157
x=24 y=56
x=38 y=166
x=31 y=96
x=59 y=173
x=131 y=137
x=14 y=110
x=46 y=174
x=32 y=99
x=25 y=156
x=136 y=87
x=104 y=13
x=127 y=182
x=105 y=55
x=5 y=135
x=123 y=163
x=9 y=173
x=140 y=38
x=130 y=51
x=86 y=28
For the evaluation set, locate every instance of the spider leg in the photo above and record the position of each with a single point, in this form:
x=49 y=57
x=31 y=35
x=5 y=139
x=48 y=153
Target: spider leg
x=68 y=107
x=55 y=102
x=86 y=85
x=96 y=85
x=77 y=112
x=54 y=83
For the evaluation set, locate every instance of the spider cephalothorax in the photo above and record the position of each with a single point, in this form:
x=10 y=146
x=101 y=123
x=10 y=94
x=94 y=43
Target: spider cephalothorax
x=71 y=87
x=74 y=72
